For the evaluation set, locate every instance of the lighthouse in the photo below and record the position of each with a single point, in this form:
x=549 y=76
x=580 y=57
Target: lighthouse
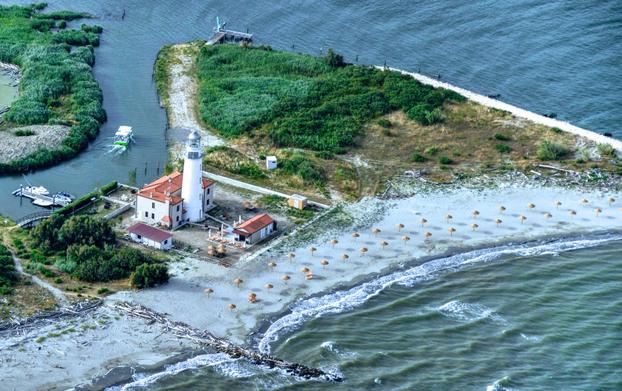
x=192 y=185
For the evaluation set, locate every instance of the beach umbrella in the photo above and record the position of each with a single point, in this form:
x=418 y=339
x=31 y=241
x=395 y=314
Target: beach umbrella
x=355 y=235
x=522 y=219
x=531 y=206
x=309 y=276
x=345 y=257
x=305 y=270
x=474 y=227
x=383 y=244
x=585 y=201
x=423 y=222
x=502 y=209
x=498 y=222
x=238 y=281
x=399 y=227
x=573 y=213
x=285 y=278
x=333 y=242
x=558 y=204
x=268 y=286
x=376 y=231
x=252 y=297
x=448 y=217
x=427 y=235
x=611 y=201
x=405 y=238
x=475 y=213
x=272 y=264
x=547 y=215
x=291 y=256
x=451 y=231
x=208 y=291
x=312 y=250
x=232 y=306
x=598 y=211
x=324 y=263
x=363 y=250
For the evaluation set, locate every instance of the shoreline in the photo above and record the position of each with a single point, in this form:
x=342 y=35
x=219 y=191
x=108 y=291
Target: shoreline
x=515 y=110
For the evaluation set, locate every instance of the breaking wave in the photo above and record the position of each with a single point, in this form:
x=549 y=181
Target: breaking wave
x=346 y=300
x=467 y=312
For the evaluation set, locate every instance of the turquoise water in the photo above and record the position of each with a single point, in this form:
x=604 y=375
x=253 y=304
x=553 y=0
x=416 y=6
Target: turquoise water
x=550 y=321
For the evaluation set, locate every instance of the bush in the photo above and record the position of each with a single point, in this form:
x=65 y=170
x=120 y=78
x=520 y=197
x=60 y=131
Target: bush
x=300 y=165
x=385 y=123
x=550 y=150
x=147 y=275
x=606 y=150
x=8 y=274
x=445 y=160
x=24 y=133
x=418 y=158
x=109 y=188
x=333 y=59
x=502 y=148
x=502 y=137
x=432 y=151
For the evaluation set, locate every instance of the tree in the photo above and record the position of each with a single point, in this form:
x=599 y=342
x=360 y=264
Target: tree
x=333 y=59
x=147 y=275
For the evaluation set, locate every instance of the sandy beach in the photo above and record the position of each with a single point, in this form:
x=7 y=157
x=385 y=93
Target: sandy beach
x=337 y=284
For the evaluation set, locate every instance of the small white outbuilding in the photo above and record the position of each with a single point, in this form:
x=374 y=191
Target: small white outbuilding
x=150 y=236
x=271 y=162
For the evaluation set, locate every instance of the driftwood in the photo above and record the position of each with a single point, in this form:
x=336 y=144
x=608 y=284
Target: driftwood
x=21 y=326
x=556 y=168
x=183 y=330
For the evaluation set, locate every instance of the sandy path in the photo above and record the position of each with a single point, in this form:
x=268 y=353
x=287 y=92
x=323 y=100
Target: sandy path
x=57 y=293
x=517 y=111
x=182 y=100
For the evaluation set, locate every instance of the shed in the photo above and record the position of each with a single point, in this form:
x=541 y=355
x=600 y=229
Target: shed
x=150 y=236
x=271 y=162
x=255 y=229
x=297 y=201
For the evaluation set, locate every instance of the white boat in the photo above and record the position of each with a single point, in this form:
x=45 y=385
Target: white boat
x=123 y=136
x=44 y=203
x=38 y=190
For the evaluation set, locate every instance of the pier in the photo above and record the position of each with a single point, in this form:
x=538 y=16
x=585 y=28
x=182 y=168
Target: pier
x=223 y=35
x=42 y=200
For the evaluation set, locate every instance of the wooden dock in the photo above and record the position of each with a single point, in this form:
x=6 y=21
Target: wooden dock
x=42 y=200
x=222 y=35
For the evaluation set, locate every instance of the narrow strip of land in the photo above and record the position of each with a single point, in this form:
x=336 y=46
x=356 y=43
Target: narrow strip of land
x=517 y=111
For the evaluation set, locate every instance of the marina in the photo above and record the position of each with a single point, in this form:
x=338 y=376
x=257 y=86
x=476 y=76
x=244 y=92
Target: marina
x=40 y=196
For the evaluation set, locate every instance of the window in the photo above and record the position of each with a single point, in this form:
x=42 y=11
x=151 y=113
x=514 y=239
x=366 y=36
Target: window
x=153 y=216
x=165 y=241
x=146 y=214
x=153 y=205
x=178 y=209
x=177 y=218
x=208 y=190
x=207 y=202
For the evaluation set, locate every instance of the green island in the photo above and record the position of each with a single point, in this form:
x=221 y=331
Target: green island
x=59 y=106
x=340 y=131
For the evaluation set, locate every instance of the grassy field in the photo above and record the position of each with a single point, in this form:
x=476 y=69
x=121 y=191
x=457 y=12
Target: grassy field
x=341 y=131
x=57 y=84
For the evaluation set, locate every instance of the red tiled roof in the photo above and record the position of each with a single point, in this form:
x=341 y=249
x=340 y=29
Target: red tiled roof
x=253 y=224
x=149 y=232
x=163 y=189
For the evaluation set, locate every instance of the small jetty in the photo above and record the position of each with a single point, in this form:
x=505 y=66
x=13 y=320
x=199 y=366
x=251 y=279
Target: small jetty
x=221 y=34
x=41 y=197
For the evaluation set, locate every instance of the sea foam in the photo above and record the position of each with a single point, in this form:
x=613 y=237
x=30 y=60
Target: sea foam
x=346 y=300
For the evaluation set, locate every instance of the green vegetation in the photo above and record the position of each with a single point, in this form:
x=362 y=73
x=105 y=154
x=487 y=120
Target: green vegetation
x=418 y=158
x=92 y=253
x=303 y=101
x=147 y=276
x=503 y=148
x=549 y=150
x=309 y=171
x=385 y=123
x=24 y=133
x=432 y=151
x=8 y=275
x=606 y=150
x=86 y=199
x=445 y=160
x=502 y=137
x=57 y=85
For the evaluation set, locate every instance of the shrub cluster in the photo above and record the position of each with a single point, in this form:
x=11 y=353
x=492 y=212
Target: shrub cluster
x=92 y=253
x=8 y=275
x=57 y=85
x=300 y=165
x=550 y=150
x=304 y=101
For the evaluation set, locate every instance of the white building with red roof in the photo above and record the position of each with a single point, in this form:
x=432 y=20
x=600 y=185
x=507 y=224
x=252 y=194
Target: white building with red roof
x=255 y=229
x=162 y=201
x=150 y=236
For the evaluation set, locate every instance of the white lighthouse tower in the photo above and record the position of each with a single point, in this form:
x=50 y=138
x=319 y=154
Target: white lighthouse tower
x=192 y=185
